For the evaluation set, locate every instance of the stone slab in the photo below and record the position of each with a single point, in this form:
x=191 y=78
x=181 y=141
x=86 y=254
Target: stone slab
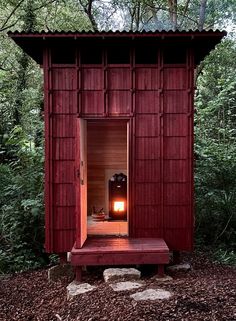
x=151 y=294
x=165 y=278
x=75 y=288
x=58 y=271
x=115 y=274
x=183 y=267
x=125 y=286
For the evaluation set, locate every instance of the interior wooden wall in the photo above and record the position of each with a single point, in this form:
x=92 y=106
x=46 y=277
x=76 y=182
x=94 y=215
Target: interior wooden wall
x=107 y=151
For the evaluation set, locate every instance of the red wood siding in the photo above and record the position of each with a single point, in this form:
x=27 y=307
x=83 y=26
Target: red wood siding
x=156 y=100
x=105 y=91
x=147 y=206
x=177 y=157
x=60 y=139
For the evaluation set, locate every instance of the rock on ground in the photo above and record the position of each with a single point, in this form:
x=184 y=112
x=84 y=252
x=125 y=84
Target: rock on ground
x=75 y=288
x=184 y=267
x=165 y=278
x=115 y=274
x=207 y=292
x=126 y=286
x=151 y=294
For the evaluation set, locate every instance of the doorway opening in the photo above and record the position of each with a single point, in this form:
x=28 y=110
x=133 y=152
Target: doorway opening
x=107 y=177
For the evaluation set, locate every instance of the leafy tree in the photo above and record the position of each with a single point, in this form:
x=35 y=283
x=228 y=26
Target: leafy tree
x=21 y=106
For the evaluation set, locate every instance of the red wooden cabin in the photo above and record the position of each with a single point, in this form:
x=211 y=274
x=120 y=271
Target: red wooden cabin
x=119 y=103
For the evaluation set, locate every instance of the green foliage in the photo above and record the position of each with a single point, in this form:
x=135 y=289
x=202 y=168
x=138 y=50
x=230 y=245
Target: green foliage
x=215 y=148
x=225 y=256
x=21 y=192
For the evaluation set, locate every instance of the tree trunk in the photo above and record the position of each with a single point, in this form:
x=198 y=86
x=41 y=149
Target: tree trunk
x=173 y=13
x=202 y=14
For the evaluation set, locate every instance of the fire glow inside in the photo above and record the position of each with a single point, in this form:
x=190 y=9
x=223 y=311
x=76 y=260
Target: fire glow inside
x=119 y=206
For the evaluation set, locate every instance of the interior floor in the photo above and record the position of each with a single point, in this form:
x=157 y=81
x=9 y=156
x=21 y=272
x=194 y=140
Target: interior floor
x=117 y=228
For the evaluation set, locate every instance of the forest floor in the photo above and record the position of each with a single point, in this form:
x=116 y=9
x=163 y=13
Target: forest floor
x=207 y=292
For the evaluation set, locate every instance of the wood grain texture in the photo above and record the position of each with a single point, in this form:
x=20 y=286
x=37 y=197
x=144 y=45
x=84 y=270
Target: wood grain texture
x=157 y=101
x=112 y=251
x=107 y=150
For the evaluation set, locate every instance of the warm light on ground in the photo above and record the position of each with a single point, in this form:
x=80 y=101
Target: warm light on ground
x=119 y=206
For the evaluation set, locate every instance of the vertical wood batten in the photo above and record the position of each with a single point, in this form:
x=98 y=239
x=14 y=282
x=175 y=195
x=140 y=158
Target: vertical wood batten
x=161 y=112
x=48 y=150
x=78 y=75
x=105 y=83
x=131 y=152
x=191 y=136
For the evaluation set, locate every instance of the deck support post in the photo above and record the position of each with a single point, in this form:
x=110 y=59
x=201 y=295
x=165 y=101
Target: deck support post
x=78 y=273
x=160 y=270
x=176 y=257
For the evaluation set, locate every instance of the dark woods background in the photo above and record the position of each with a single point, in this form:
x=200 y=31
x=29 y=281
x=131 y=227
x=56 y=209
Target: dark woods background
x=21 y=116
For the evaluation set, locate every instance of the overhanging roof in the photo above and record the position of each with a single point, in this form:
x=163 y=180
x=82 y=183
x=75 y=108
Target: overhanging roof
x=33 y=42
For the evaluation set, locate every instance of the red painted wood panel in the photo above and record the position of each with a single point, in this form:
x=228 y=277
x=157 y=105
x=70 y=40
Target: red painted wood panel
x=64 y=79
x=63 y=126
x=177 y=155
x=176 y=171
x=179 y=239
x=177 y=217
x=63 y=194
x=63 y=171
x=148 y=217
x=175 y=102
x=63 y=148
x=175 y=78
x=175 y=147
x=147 y=148
x=147 y=194
x=147 y=125
x=148 y=232
x=119 y=102
x=147 y=78
x=176 y=194
x=92 y=79
x=160 y=142
x=62 y=240
x=147 y=102
x=63 y=106
x=175 y=125
x=64 y=217
x=93 y=102
x=63 y=102
x=116 y=251
x=147 y=171
x=119 y=78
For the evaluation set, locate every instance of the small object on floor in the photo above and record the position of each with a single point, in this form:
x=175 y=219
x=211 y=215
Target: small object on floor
x=75 y=288
x=62 y=270
x=125 y=286
x=151 y=294
x=115 y=274
x=184 y=267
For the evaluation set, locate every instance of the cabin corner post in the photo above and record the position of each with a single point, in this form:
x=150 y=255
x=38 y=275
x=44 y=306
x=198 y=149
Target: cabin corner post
x=47 y=150
x=191 y=68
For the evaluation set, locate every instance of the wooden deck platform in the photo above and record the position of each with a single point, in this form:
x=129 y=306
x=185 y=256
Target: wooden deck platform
x=121 y=251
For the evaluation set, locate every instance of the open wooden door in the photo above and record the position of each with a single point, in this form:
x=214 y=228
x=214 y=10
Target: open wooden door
x=81 y=182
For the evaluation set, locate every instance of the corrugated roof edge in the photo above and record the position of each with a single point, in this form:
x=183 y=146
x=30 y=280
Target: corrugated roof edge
x=109 y=32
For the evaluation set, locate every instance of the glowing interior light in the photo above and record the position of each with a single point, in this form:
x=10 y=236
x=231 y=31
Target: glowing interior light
x=119 y=206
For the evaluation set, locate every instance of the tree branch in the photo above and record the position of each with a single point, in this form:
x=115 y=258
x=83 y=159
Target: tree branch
x=88 y=11
x=3 y=27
